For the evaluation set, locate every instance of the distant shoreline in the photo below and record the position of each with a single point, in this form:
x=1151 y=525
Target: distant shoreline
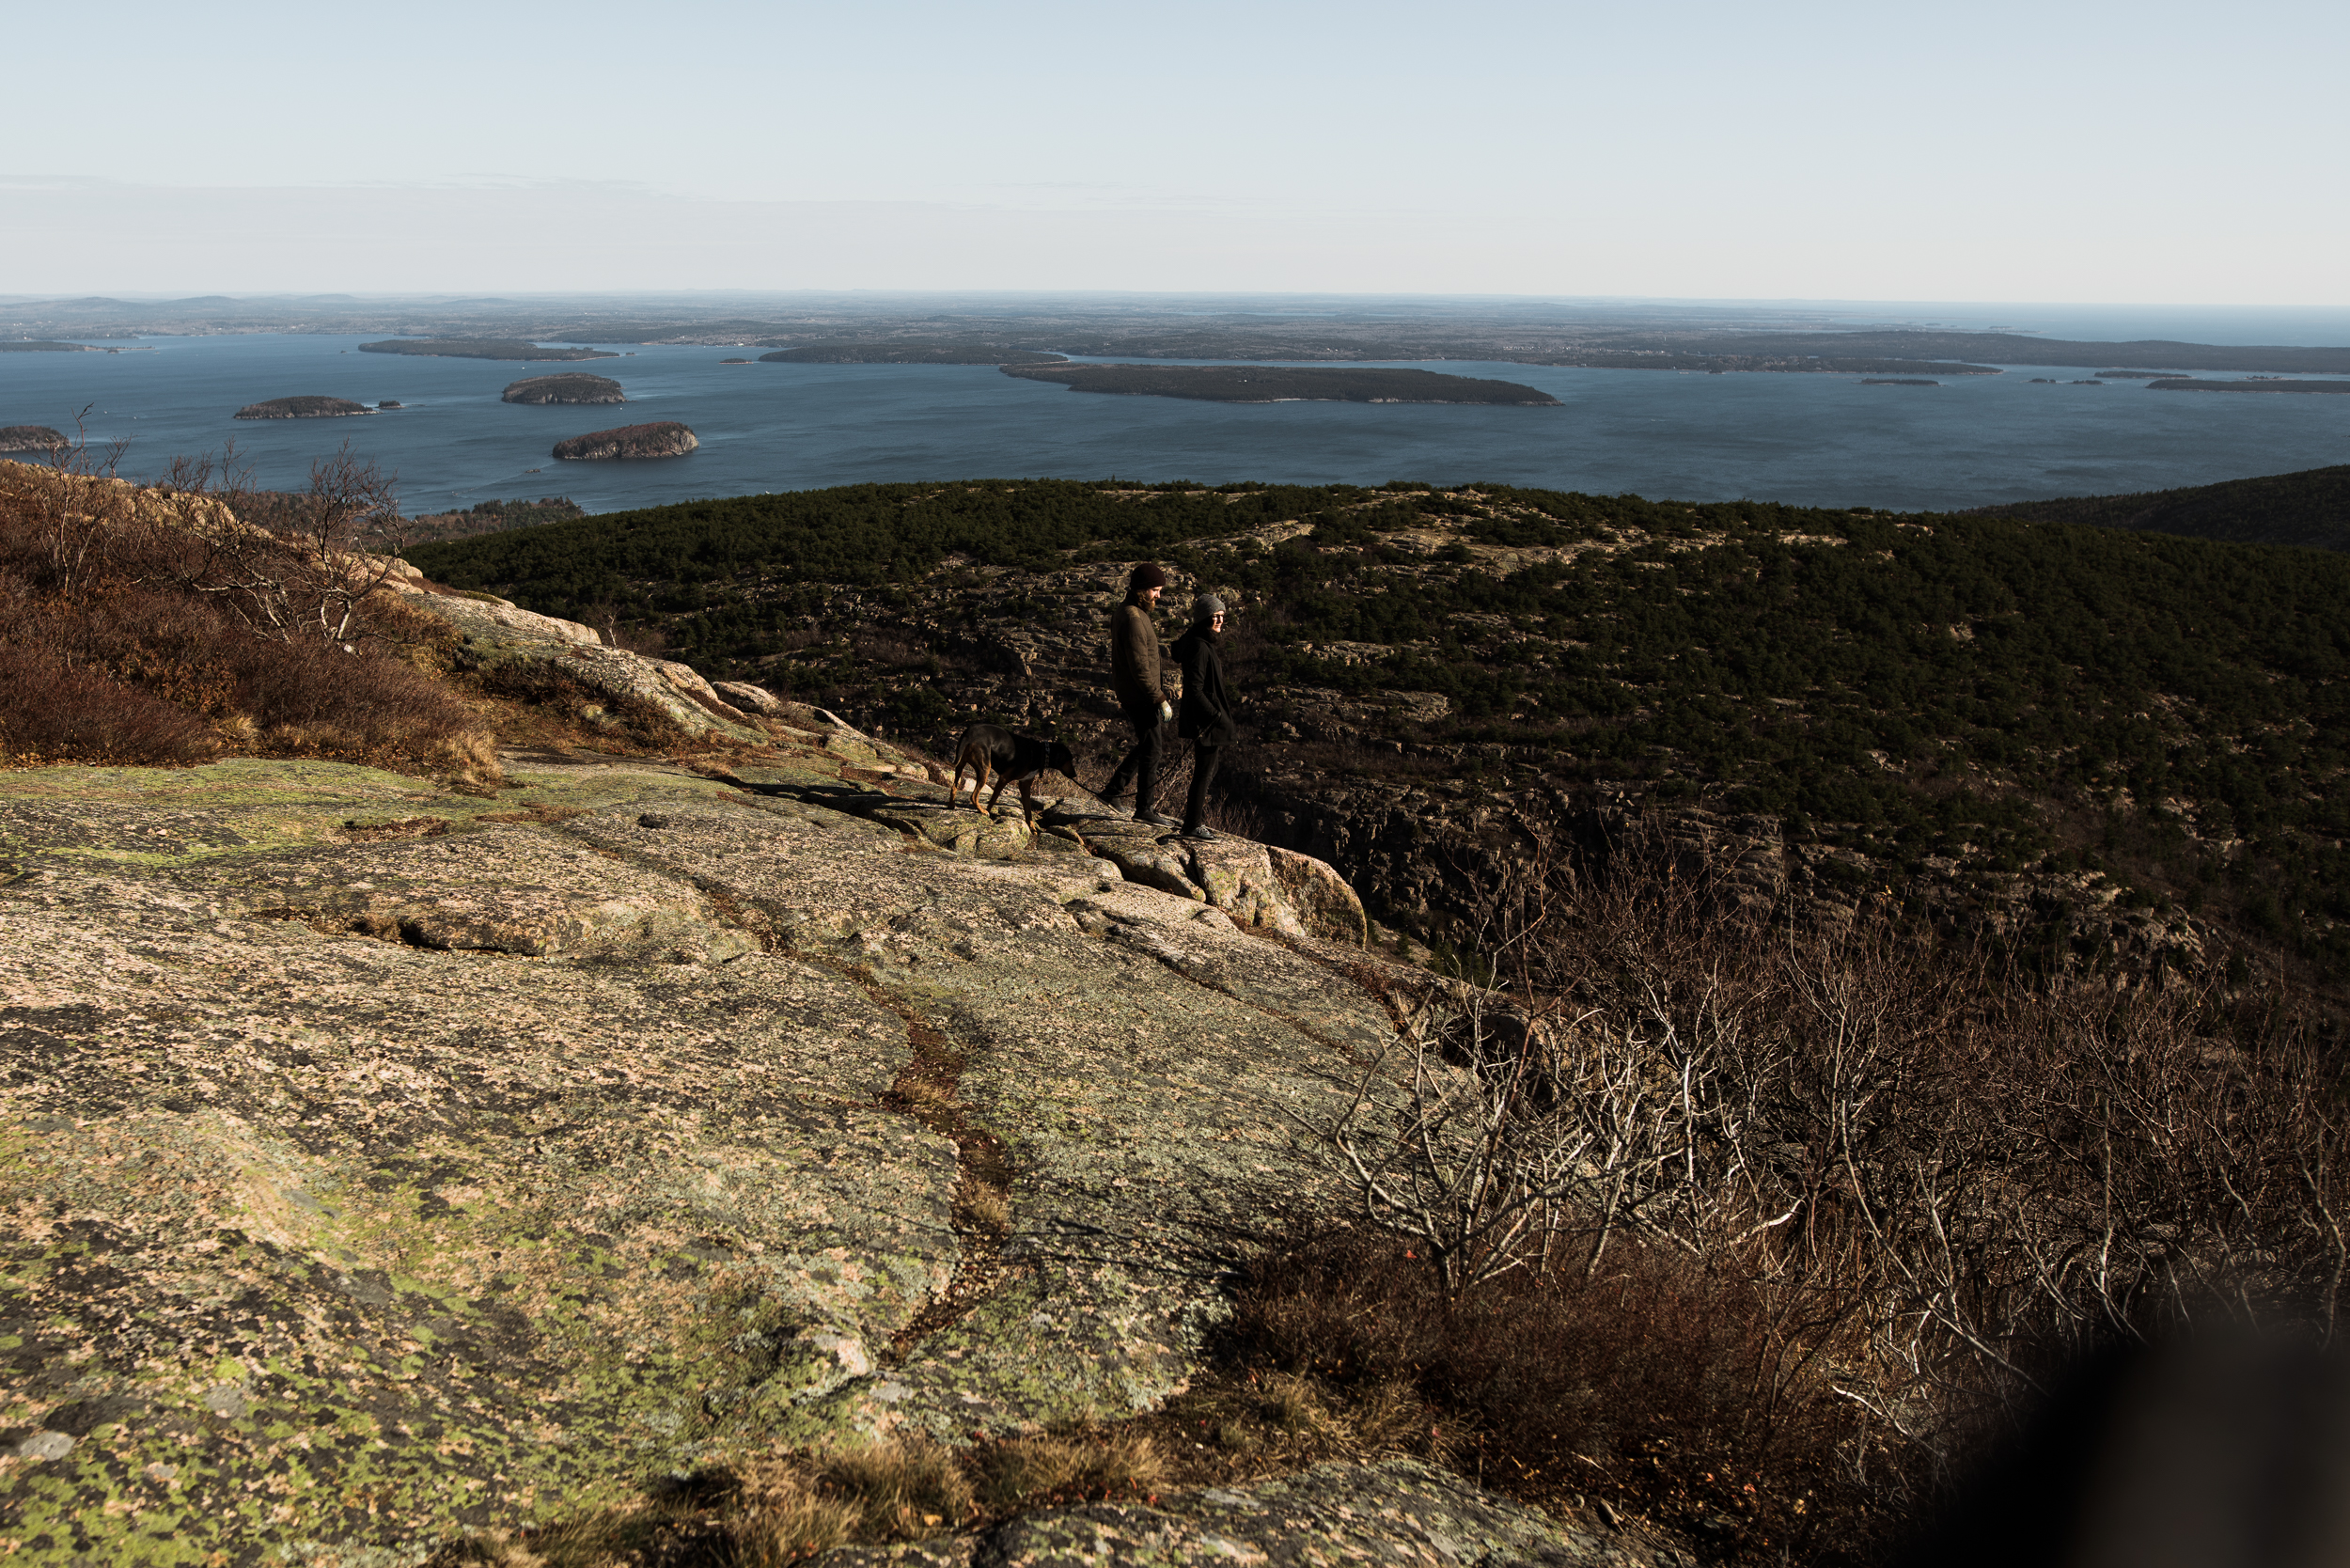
x=481 y=347
x=1271 y=383
x=2188 y=383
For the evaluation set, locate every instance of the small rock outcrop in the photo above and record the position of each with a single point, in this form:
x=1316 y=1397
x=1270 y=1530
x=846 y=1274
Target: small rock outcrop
x=571 y=386
x=660 y=439
x=302 y=408
x=500 y=638
x=31 y=438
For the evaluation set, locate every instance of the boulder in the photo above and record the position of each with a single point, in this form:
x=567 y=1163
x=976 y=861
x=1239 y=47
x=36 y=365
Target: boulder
x=1400 y=1512
x=750 y=698
x=1237 y=877
x=498 y=620
x=1149 y=862
x=961 y=830
x=1322 y=898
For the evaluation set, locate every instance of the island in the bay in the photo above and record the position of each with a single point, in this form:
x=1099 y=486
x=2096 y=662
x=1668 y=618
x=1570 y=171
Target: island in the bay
x=1276 y=384
x=302 y=408
x=659 y=439
x=2251 y=383
x=909 y=351
x=567 y=387
x=37 y=345
x=481 y=347
x=31 y=438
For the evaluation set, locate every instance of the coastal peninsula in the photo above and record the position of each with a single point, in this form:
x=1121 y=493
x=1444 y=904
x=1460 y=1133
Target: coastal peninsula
x=659 y=439
x=31 y=438
x=910 y=352
x=568 y=386
x=2188 y=383
x=1274 y=383
x=302 y=408
x=481 y=347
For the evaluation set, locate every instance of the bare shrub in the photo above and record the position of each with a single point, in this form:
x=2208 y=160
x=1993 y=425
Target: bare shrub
x=1658 y=1379
x=54 y=710
x=298 y=565
x=113 y=638
x=1908 y=1184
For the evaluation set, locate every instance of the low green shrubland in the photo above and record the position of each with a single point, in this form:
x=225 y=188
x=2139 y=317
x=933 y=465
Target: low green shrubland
x=2015 y=693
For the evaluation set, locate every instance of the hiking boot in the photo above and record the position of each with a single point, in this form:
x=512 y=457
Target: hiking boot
x=1202 y=835
x=1156 y=820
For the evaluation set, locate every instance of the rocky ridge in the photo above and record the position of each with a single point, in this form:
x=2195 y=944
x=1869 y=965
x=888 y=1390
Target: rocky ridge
x=387 y=1163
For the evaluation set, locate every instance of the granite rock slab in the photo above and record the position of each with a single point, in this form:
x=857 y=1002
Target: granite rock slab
x=384 y=1162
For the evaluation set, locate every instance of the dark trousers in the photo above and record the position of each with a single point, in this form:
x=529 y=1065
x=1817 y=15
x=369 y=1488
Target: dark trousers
x=1141 y=764
x=1205 y=758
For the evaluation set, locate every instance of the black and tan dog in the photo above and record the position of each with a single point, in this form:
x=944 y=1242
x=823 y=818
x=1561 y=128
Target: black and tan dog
x=1013 y=758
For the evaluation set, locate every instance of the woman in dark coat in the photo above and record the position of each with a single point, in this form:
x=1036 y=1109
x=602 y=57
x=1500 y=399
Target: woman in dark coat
x=1206 y=715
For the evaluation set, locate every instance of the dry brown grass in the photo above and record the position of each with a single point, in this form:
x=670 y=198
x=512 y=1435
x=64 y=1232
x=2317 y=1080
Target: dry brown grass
x=788 y=1508
x=1051 y=1468
x=988 y=1206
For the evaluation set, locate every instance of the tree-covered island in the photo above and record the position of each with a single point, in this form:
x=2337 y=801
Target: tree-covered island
x=1273 y=384
x=566 y=387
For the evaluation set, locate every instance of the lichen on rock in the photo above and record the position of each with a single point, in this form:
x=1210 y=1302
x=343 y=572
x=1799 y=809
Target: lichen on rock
x=389 y=1163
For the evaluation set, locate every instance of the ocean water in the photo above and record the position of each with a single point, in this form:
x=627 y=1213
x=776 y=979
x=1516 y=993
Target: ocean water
x=1806 y=439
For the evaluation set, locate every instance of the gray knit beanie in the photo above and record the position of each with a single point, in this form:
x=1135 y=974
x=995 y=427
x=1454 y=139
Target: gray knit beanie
x=1205 y=608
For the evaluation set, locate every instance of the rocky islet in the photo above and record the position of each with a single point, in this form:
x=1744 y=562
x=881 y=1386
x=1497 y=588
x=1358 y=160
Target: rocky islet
x=663 y=438
x=303 y=407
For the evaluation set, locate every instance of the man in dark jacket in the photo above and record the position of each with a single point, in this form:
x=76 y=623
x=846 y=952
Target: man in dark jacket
x=1207 y=713
x=1141 y=694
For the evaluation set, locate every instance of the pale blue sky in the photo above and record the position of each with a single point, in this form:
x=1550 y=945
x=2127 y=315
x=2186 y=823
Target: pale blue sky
x=2047 y=152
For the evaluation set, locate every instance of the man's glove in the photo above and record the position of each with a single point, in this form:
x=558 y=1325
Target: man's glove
x=1166 y=712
